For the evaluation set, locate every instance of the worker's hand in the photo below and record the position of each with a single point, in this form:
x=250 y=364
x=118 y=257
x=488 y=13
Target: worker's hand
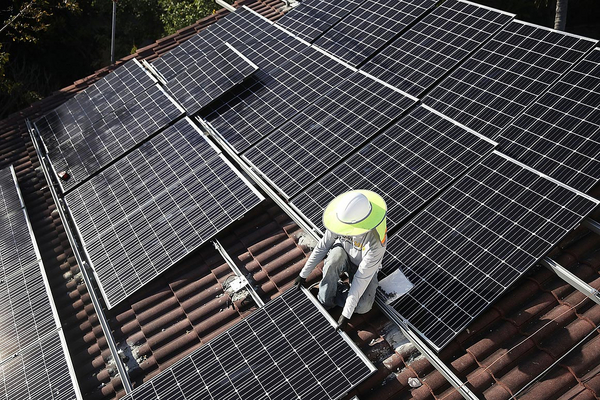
x=299 y=282
x=342 y=323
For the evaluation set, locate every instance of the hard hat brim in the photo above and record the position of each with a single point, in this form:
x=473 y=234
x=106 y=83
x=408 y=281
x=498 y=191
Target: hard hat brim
x=375 y=217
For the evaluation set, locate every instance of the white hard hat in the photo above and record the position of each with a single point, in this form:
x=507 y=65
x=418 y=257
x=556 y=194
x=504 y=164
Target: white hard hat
x=353 y=208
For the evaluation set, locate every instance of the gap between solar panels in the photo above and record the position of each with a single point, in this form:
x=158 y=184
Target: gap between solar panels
x=287 y=349
x=470 y=245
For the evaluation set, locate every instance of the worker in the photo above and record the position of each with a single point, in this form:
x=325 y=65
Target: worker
x=354 y=242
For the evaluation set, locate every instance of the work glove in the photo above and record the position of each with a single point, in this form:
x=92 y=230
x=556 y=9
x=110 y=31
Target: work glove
x=342 y=323
x=299 y=282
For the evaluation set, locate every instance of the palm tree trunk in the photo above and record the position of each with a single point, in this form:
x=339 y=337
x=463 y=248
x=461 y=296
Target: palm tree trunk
x=560 y=20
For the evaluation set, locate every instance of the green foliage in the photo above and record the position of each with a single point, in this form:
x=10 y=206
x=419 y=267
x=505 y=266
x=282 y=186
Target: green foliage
x=178 y=14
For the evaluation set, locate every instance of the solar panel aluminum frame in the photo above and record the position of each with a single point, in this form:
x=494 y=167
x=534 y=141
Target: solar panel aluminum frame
x=64 y=190
x=84 y=251
x=423 y=336
x=57 y=321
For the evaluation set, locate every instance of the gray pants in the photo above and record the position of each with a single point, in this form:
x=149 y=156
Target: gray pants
x=336 y=263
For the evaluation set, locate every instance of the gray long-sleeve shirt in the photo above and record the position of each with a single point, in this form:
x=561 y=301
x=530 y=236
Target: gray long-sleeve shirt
x=366 y=251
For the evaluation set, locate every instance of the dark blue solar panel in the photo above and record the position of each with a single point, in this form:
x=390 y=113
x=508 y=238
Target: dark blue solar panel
x=151 y=208
x=472 y=243
x=286 y=350
x=559 y=134
x=507 y=74
x=408 y=164
x=436 y=44
x=371 y=26
x=327 y=131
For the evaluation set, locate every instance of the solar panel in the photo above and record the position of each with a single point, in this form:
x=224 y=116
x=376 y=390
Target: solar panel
x=326 y=131
x=249 y=32
x=408 y=164
x=267 y=101
x=507 y=74
x=154 y=206
x=25 y=311
x=311 y=18
x=286 y=350
x=436 y=44
x=85 y=152
x=103 y=97
x=210 y=78
x=558 y=134
x=474 y=241
x=39 y=372
x=370 y=26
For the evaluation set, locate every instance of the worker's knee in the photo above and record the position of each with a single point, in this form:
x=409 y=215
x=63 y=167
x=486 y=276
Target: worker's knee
x=336 y=259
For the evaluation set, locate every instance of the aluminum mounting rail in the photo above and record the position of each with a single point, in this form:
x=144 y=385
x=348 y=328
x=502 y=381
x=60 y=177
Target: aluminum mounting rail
x=238 y=273
x=571 y=279
x=110 y=340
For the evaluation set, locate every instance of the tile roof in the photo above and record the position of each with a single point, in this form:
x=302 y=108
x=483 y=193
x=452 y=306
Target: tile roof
x=521 y=335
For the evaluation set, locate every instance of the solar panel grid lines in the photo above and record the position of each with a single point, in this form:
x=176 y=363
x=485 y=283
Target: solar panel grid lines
x=408 y=164
x=254 y=36
x=267 y=101
x=559 y=133
x=311 y=18
x=89 y=106
x=326 y=131
x=475 y=240
x=25 y=310
x=38 y=372
x=287 y=349
x=154 y=206
x=508 y=73
x=370 y=26
x=210 y=78
x=85 y=153
x=441 y=40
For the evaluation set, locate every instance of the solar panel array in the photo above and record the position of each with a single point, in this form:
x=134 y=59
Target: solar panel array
x=209 y=78
x=107 y=95
x=285 y=350
x=254 y=36
x=83 y=154
x=370 y=26
x=508 y=73
x=32 y=360
x=38 y=372
x=154 y=206
x=408 y=164
x=25 y=311
x=559 y=134
x=267 y=102
x=311 y=18
x=327 y=131
x=470 y=244
x=435 y=45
